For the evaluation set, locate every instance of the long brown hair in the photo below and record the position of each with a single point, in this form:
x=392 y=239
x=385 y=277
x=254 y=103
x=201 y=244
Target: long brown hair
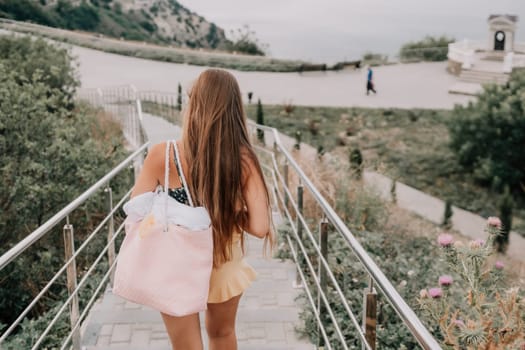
x=216 y=149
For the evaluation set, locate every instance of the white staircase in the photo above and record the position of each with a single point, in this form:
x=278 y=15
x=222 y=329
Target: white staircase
x=483 y=76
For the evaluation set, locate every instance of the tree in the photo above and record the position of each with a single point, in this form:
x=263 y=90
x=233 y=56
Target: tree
x=245 y=41
x=486 y=135
x=179 y=97
x=50 y=152
x=505 y=211
x=356 y=162
x=260 y=121
x=447 y=215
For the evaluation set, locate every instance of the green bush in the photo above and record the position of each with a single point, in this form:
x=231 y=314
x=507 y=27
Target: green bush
x=244 y=41
x=260 y=121
x=487 y=134
x=428 y=49
x=51 y=150
x=26 y=10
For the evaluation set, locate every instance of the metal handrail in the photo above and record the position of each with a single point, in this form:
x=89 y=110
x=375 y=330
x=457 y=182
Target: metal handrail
x=12 y=253
x=410 y=319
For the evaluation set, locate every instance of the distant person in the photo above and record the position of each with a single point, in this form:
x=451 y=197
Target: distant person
x=370 y=82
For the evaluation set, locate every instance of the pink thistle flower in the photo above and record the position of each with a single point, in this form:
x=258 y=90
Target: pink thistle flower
x=494 y=221
x=459 y=323
x=499 y=265
x=478 y=243
x=435 y=293
x=445 y=280
x=445 y=240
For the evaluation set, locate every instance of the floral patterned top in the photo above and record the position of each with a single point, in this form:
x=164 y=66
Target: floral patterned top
x=179 y=194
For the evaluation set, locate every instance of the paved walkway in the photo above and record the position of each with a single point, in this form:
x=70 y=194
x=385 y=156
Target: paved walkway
x=418 y=85
x=267 y=316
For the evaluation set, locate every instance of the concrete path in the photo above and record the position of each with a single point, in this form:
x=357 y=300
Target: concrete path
x=267 y=316
x=418 y=85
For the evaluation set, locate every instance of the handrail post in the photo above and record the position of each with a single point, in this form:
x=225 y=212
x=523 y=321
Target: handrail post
x=299 y=229
x=74 y=314
x=111 y=232
x=370 y=314
x=285 y=175
x=323 y=245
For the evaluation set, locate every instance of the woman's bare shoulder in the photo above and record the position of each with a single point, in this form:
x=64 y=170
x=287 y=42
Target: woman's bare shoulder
x=156 y=156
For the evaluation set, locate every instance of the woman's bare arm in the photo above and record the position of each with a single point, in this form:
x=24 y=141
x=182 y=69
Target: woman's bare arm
x=256 y=203
x=147 y=180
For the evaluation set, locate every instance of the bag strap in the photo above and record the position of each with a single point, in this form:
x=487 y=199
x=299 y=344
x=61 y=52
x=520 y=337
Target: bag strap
x=166 y=183
x=167 y=167
x=178 y=164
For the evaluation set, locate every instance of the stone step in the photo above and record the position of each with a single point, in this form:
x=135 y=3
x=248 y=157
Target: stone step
x=477 y=76
x=464 y=88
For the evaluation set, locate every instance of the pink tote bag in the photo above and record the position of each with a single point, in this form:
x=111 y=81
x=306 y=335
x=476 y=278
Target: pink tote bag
x=166 y=258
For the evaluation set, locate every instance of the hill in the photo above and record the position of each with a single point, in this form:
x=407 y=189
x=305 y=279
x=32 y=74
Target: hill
x=157 y=21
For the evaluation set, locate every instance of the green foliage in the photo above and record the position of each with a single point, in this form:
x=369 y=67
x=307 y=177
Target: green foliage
x=179 y=97
x=481 y=313
x=298 y=136
x=428 y=49
x=487 y=134
x=447 y=215
x=50 y=152
x=39 y=60
x=374 y=59
x=356 y=162
x=27 y=10
x=505 y=204
x=244 y=41
x=395 y=256
x=83 y=16
x=260 y=121
x=393 y=191
x=212 y=36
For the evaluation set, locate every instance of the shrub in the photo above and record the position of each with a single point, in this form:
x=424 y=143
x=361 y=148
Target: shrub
x=297 y=144
x=288 y=108
x=393 y=191
x=505 y=211
x=356 y=162
x=447 y=215
x=428 y=49
x=487 y=316
x=244 y=41
x=53 y=151
x=486 y=134
x=260 y=121
x=179 y=97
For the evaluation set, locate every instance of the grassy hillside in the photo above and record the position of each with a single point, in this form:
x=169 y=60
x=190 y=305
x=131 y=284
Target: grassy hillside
x=155 y=21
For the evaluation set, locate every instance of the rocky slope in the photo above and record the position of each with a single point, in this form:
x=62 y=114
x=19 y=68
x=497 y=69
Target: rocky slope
x=159 y=21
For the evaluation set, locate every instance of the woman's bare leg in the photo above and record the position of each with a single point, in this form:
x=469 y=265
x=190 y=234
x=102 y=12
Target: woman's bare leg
x=220 y=324
x=184 y=332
